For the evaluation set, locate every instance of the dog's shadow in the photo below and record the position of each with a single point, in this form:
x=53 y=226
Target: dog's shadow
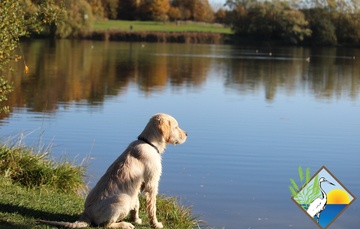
x=32 y=213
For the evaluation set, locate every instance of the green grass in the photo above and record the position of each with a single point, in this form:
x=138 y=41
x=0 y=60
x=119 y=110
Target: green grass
x=34 y=187
x=30 y=169
x=21 y=206
x=152 y=26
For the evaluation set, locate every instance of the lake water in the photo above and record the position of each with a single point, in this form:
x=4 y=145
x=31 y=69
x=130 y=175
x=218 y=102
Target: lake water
x=252 y=118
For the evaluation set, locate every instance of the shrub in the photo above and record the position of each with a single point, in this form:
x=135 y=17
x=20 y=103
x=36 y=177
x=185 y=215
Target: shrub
x=323 y=30
x=271 y=21
x=31 y=169
x=347 y=27
x=77 y=19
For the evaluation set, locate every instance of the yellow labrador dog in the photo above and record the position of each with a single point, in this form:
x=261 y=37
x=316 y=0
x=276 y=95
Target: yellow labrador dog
x=137 y=169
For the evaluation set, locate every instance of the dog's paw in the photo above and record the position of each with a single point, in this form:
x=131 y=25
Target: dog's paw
x=122 y=225
x=127 y=226
x=158 y=225
x=138 y=221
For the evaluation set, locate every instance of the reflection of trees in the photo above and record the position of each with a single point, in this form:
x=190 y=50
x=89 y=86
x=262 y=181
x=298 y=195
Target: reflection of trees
x=335 y=74
x=87 y=71
x=260 y=70
x=186 y=68
x=330 y=72
x=65 y=70
x=61 y=72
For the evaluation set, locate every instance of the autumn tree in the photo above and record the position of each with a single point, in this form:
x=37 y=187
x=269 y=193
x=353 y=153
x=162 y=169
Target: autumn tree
x=159 y=9
x=197 y=10
x=202 y=11
x=174 y=13
x=156 y=10
x=184 y=6
x=19 y=19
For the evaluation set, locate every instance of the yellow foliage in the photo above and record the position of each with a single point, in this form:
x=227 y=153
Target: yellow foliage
x=26 y=69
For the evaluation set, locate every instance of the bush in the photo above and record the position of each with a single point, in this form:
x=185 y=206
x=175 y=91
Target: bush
x=271 y=21
x=323 y=30
x=78 y=19
x=347 y=27
x=31 y=169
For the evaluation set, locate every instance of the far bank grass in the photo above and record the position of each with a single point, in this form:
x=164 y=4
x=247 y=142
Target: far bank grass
x=33 y=187
x=153 y=26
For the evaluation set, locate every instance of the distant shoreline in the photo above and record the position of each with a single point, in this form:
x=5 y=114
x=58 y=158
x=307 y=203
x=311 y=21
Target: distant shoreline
x=162 y=37
x=186 y=37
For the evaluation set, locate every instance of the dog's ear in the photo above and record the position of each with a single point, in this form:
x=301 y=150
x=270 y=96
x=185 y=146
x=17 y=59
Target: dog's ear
x=165 y=129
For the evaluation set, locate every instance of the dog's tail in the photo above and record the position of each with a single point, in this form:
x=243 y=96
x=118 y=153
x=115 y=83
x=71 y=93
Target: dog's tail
x=77 y=224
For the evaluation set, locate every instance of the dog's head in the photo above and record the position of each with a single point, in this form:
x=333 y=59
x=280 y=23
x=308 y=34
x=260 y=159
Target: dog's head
x=163 y=129
x=170 y=129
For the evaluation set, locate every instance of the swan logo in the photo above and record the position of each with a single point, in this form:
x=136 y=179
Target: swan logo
x=323 y=197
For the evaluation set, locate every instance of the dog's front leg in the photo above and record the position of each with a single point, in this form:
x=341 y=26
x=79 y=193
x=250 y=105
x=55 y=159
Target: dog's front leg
x=151 y=207
x=134 y=213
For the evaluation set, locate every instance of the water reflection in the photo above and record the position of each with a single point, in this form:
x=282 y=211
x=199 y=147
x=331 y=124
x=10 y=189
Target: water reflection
x=95 y=96
x=65 y=70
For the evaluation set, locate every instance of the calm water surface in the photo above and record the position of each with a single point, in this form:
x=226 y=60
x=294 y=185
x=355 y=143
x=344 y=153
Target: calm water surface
x=252 y=119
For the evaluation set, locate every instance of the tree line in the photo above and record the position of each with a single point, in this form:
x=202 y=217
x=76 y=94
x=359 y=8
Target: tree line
x=314 y=22
x=159 y=10
x=311 y=22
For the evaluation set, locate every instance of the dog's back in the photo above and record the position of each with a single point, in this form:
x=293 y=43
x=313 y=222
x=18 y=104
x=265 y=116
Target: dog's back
x=117 y=190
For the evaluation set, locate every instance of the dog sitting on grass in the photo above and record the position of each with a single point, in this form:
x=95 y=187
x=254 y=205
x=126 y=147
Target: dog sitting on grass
x=137 y=169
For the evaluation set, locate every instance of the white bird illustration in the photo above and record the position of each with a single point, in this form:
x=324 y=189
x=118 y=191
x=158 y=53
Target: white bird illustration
x=319 y=204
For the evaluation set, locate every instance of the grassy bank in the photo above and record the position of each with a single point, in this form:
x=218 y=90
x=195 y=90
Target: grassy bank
x=34 y=187
x=144 y=31
x=152 y=26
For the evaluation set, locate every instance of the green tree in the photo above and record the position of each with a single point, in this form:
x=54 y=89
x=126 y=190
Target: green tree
x=97 y=8
x=291 y=26
x=220 y=15
x=346 y=20
x=323 y=30
x=19 y=19
x=347 y=27
x=77 y=19
x=129 y=9
x=270 y=21
x=111 y=8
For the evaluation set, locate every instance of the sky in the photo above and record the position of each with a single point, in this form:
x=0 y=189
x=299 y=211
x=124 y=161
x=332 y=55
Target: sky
x=216 y=4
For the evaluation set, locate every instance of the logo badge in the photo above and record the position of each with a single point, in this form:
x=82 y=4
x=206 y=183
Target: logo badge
x=323 y=197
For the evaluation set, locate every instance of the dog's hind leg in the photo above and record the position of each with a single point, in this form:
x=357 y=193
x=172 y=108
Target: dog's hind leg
x=114 y=221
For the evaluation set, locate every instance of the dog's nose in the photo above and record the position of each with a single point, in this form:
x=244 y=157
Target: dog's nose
x=185 y=133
